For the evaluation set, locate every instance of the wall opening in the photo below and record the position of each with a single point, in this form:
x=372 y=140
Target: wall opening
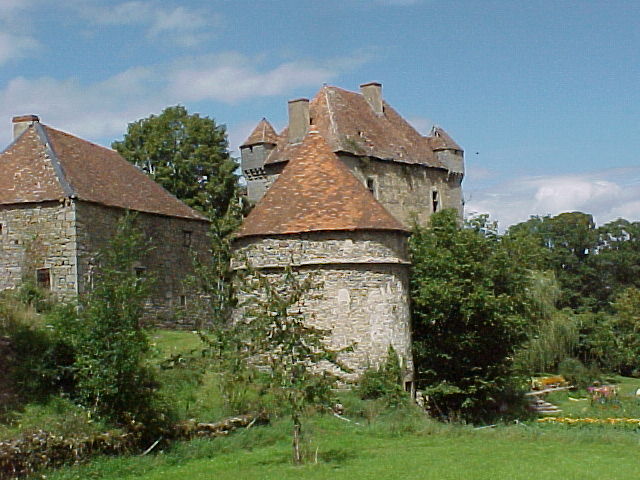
x=435 y=200
x=43 y=278
x=371 y=186
x=186 y=238
x=183 y=300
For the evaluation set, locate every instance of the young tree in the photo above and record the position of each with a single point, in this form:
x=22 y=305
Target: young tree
x=278 y=335
x=185 y=153
x=468 y=296
x=108 y=338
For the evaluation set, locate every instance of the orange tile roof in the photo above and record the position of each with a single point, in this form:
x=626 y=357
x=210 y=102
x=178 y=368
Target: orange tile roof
x=47 y=164
x=263 y=133
x=349 y=124
x=316 y=192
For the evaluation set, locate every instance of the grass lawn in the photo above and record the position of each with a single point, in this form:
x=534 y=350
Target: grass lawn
x=406 y=448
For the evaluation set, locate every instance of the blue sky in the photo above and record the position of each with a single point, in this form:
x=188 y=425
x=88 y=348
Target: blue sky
x=543 y=95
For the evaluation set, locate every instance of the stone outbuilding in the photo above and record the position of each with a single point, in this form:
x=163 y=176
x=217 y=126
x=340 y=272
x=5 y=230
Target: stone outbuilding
x=60 y=201
x=336 y=193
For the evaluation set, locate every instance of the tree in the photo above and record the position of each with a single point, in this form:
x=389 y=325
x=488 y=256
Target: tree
x=469 y=314
x=617 y=264
x=570 y=241
x=278 y=335
x=108 y=338
x=185 y=153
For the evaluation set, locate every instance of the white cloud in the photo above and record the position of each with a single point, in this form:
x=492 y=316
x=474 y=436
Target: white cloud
x=15 y=46
x=234 y=77
x=103 y=109
x=607 y=194
x=179 y=25
x=13 y=42
x=91 y=111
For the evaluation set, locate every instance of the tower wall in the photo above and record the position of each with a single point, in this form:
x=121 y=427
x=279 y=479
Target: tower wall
x=252 y=164
x=363 y=289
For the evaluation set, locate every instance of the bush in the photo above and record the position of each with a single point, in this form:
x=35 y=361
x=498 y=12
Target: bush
x=577 y=374
x=385 y=382
x=468 y=293
x=110 y=369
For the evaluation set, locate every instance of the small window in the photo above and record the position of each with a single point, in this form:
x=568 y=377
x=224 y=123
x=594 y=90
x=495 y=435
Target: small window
x=371 y=186
x=186 y=238
x=435 y=200
x=140 y=271
x=0 y=228
x=43 y=278
x=183 y=300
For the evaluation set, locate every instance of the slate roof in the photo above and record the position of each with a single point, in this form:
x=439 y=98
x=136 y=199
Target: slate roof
x=349 y=124
x=45 y=164
x=263 y=133
x=440 y=140
x=316 y=192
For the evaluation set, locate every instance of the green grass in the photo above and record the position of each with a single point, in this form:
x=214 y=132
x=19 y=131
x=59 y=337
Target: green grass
x=394 y=446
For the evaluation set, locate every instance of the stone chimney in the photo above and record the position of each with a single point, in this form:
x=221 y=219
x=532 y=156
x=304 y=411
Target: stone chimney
x=298 y=119
x=21 y=123
x=372 y=92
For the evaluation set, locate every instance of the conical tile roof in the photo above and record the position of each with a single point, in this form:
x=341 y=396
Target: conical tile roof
x=316 y=192
x=263 y=133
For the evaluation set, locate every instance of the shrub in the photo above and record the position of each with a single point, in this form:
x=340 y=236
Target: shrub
x=110 y=369
x=385 y=382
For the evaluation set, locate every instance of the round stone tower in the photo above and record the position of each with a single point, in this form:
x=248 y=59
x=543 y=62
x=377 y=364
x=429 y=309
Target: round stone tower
x=320 y=220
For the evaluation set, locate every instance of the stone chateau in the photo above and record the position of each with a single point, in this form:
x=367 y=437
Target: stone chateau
x=60 y=200
x=336 y=193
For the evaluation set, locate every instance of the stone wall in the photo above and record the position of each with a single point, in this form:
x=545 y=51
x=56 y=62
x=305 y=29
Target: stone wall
x=39 y=236
x=407 y=190
x=168 y=261
x=252 y=163
x=363 y=289
x=323 y=248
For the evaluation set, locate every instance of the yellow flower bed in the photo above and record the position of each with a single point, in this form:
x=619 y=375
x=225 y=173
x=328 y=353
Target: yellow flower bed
x=605 y=421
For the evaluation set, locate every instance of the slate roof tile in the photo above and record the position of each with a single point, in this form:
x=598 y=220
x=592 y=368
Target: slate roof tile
x=348 y=124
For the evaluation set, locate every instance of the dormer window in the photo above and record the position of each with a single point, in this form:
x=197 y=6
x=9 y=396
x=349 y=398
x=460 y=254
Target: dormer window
x=371 y=186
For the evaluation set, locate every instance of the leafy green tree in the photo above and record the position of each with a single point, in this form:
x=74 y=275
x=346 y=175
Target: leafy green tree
x=108 y=337
x=185 y=153
x=552 y=334
x=469 y=314
x=617 y=264
x=570 y=241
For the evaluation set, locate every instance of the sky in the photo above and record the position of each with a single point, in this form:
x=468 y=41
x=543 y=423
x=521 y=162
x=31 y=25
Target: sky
x=543 y=95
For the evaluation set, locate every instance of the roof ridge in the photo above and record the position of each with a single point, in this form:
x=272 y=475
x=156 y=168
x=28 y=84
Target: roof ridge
x=55 y=162
x=62 y=132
